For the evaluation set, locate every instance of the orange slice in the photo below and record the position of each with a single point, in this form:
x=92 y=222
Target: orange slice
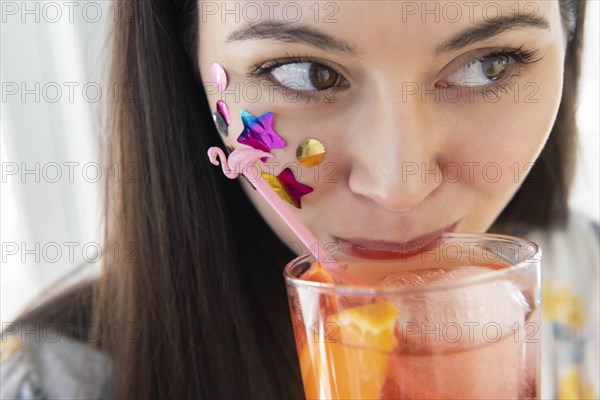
x=369 y=326
x=328 y=302
x=352 y=362
x=318 y=274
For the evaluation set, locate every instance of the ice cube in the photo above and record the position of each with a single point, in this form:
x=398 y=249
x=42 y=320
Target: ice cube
x=464 y=342
x=444 y=319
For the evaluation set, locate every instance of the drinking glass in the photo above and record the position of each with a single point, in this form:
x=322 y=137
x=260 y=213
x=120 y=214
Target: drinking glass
x=456 y=319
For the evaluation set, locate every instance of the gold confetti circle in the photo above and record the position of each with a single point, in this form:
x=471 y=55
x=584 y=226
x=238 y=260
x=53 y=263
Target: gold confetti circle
x=310 y=152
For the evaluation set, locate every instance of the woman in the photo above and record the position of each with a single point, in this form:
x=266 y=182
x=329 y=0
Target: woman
x=396 y=93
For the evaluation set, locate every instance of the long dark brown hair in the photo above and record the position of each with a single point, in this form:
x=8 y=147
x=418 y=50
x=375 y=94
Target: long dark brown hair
x=200 y=308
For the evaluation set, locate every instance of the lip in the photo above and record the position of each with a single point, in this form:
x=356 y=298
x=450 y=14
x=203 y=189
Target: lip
x=381 y=249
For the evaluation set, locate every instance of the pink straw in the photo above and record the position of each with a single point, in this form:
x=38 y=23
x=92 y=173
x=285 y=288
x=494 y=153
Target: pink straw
x=243 y=161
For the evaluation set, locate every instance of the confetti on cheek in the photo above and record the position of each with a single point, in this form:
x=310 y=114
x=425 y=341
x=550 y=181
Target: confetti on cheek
x=219 y=77
x=287 y=187
x=277 y=187
x=220 y=124
x=223 y=109
x=259 y=133
x=310 y=152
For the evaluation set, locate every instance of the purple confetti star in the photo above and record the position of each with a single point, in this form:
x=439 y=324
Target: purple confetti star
x=294 y=188
x=259 y=133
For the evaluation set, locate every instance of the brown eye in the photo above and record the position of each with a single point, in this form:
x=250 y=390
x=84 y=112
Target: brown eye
x=306 y=76
x=322 y=77
x=495 y=67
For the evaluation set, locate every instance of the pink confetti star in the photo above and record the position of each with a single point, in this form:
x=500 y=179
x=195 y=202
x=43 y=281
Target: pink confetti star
x=259 y=133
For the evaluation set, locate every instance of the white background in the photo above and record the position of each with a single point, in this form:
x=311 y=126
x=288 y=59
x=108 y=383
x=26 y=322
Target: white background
x=70 y=53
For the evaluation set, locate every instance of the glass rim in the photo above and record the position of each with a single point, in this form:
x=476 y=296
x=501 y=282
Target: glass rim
x=530 y=261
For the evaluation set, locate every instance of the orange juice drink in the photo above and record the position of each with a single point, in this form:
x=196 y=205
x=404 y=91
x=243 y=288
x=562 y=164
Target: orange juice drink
x=458 y=321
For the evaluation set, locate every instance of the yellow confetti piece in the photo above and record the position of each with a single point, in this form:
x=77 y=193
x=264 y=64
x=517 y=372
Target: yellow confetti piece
x=310 y=152
x=277 y=187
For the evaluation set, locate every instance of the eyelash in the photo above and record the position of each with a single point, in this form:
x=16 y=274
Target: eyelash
x=520 y=56
x=262 y=71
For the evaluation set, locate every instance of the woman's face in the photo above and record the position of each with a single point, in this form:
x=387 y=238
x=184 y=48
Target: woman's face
x=430 y=113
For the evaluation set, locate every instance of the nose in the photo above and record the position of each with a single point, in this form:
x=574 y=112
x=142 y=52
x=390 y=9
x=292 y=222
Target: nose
x=395 y=153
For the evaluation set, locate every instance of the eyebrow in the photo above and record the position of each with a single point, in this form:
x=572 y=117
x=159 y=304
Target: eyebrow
x=489 y=29
x=283 y=32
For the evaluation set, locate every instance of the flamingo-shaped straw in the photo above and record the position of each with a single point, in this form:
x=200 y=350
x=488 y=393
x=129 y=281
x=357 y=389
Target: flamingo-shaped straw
x=244 y=161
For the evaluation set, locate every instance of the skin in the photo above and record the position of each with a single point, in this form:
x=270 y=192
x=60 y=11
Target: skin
x=381 y=137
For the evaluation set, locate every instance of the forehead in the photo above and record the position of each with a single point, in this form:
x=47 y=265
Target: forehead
x=362 y=25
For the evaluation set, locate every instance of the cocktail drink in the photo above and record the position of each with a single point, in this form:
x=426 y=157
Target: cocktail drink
x=457 y=319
